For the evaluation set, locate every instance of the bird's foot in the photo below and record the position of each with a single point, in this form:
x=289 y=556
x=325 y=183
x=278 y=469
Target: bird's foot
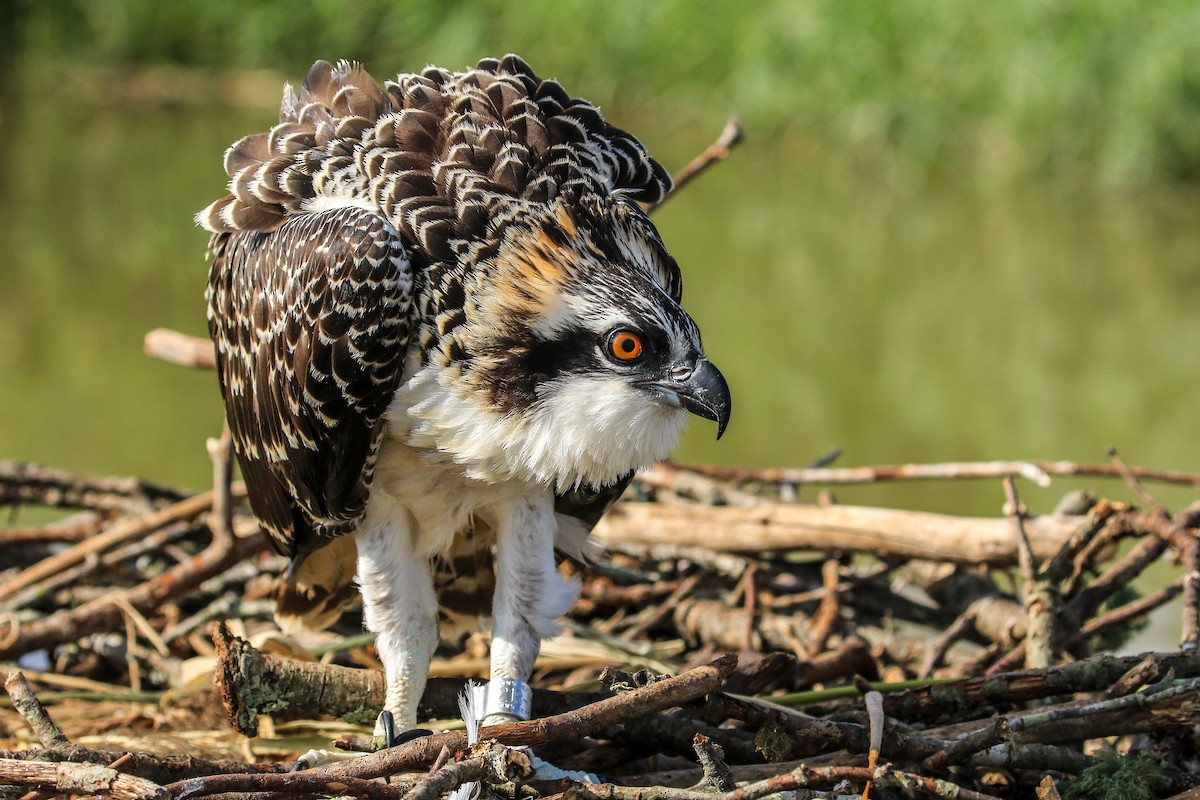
x=506 y=700
x=385 y=736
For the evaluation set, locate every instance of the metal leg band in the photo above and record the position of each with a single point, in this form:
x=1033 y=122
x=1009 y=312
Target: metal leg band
x=504 y=696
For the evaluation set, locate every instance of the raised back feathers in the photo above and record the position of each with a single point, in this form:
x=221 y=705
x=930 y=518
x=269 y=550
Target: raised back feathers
x=433 y=151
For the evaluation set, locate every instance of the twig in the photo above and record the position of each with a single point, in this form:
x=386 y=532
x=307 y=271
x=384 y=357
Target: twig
x=31 y=709
x=1134 y=484
x=730 y=137
x=117 y=534
x=1040 y=601
x=1037 y=471
x=70 y=624
x=570 y=726
x=717 y=774
x=750 y=590
x=487 y=761
x=23 y=482
x=961 y=749
x=827 y=612
x=86 y=779
x=1145 y=672
x=1123 y=615
x=884 y=532
x=296 y=782
x=1190 y=638
x=937 y=649
x=179 y=348
x=158 y=769
x=958 y=698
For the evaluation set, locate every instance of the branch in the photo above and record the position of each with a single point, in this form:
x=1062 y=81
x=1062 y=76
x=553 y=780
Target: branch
x=884 y=532
x=570 y=726
x=731 y=136
x=179 y=348
x=87 y=779
x=1037 y=471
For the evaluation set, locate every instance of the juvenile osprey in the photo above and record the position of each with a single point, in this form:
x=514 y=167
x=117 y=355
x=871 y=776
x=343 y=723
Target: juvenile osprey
x=444 y=326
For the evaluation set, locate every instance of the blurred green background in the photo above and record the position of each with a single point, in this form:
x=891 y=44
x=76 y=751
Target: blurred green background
x=956 y=231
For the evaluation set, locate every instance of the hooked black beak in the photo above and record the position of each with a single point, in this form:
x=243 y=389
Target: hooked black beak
x=701 y=390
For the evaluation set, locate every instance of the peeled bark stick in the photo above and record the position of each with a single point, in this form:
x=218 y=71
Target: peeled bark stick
x=570 y=726
x=179 y=348
x=85 y=779
x=885 y=532
x=1037 y=471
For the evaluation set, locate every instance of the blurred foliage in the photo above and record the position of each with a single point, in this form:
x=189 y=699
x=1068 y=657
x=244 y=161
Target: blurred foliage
x=1108 y=89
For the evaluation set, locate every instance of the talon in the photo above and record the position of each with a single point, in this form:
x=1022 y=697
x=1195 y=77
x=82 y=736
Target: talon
x=410 y=734
x=306 y=761
x=386 y=723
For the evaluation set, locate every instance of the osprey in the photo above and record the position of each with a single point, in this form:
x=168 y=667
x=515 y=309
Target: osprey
x=446 y=334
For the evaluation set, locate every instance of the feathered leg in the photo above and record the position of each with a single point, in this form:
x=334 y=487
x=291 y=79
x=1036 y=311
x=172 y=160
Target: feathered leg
x=530 y=597
x=399 y=605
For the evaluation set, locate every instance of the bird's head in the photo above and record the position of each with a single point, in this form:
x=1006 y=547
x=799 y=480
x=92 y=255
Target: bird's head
x=577 y=338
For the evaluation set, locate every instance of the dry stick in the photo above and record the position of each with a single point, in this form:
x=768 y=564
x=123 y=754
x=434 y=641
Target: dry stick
x=305 y=783
x=800 y=778
x=687 y=484
x=30 y=708
x=1083 y=605
x=70 y=624
x=963 y=697
x=939 y=647
x=1134 y=484
x=157 y=768
x=1145 y=672
x=717 y=774
x=119 y=533
x=563 y=727
x=66 y=531
x=964 y=747
x=731 y=135
x=1037 y=471
x=1040 y=602
x=1159 y=694
x=487 y=761
x=570 y=726
x=86 y=779
x=751 y=608
x=179 y=348
x=827 y=612
x=885 y=532
x=1121 y=616
x=23 y=482
x=1190 y=638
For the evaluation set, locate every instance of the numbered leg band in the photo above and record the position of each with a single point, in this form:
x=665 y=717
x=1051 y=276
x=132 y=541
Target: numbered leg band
x=504 y=696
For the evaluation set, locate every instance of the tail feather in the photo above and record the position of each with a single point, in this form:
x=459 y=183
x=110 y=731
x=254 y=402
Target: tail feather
x=316 y=591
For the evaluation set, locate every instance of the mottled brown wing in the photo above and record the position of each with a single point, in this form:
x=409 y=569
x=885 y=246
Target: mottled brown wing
x=310 y=324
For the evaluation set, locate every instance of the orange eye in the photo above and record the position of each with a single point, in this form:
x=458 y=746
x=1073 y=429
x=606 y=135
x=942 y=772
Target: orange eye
x=625 y=346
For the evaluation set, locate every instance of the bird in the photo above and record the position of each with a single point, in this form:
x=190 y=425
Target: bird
x=446 y=334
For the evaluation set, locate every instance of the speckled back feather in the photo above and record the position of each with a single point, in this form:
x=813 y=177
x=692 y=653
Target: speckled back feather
x=313 y=294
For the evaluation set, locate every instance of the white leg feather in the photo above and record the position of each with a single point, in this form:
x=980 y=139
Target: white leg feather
x=399 y=605
x=530 y=593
